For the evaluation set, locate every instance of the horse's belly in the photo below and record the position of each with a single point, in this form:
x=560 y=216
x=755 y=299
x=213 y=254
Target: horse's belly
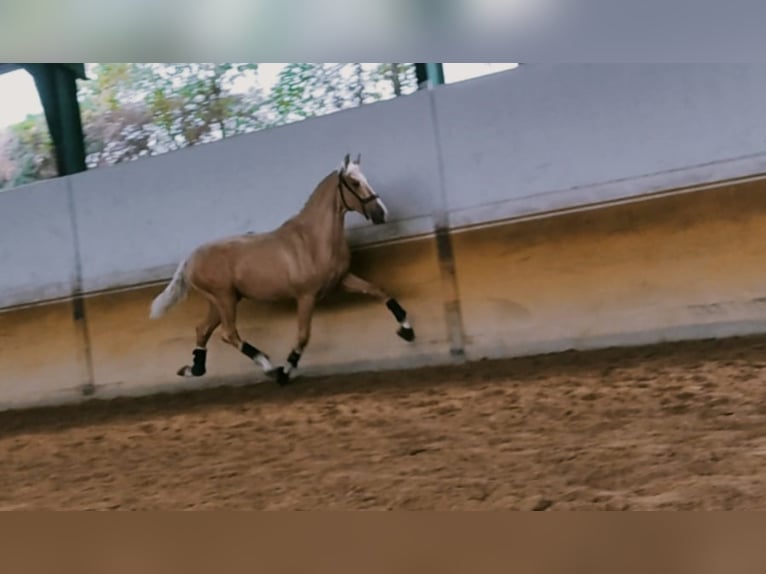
x=265 y=287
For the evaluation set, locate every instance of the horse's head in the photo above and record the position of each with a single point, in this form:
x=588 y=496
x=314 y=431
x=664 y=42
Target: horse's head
x=357 y=194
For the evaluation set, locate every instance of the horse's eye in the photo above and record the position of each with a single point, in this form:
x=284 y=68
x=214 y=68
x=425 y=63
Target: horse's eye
x=355 y=184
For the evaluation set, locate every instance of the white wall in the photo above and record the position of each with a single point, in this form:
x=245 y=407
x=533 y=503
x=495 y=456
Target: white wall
x=533 y=139
x=37 y=246
x=554 y=136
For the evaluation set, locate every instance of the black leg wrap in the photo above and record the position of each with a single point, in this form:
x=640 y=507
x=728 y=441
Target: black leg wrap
x=393 y=306
x=280 y=374
x=406 y=333
x=282 y=377
x=198 y=367
x=293 y=359
x=250 y=351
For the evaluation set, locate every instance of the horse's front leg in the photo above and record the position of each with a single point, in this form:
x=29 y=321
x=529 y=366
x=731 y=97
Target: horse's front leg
x=353 y=284
x=306 y=306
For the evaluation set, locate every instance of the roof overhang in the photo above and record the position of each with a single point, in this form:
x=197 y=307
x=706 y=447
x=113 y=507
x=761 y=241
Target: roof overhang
x=77 y=69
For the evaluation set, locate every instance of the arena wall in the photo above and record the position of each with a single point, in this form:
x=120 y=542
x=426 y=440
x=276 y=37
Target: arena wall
x=536 y=210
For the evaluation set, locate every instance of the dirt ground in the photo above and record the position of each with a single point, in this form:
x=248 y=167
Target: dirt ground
x=679 y=426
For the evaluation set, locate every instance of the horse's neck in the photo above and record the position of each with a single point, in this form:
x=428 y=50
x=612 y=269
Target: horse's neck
x=322 y=215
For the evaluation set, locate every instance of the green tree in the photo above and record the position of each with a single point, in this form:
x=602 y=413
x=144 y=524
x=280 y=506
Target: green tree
x=144 y=109
x=401 y=76
x=116 y=121
x=196 y=103
x=27 y=152
x=306 y=90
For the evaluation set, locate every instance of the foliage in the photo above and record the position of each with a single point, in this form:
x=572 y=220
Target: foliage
x=135 y=110
x=26 y=153
x=307 y=90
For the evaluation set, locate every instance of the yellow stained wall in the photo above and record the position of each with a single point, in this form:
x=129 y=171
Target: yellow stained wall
x=691 y=265
x=42 y=355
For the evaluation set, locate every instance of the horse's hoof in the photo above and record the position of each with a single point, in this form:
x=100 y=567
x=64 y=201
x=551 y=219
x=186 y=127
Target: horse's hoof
x=281 y=376
x=188 y=371
x=406 y=333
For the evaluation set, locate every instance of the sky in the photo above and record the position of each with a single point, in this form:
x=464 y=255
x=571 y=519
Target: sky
x=18 y=96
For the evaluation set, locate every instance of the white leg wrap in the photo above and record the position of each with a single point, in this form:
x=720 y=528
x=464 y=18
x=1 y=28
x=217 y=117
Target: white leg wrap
x=264 y=362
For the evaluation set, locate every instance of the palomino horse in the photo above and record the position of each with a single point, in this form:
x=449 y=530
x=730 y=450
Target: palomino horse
x=301 y=260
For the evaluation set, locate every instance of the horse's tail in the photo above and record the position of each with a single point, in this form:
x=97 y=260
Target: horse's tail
x=173 y=293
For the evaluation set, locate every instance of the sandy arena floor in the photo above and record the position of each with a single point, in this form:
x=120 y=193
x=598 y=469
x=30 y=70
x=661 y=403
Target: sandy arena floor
x=665 y=427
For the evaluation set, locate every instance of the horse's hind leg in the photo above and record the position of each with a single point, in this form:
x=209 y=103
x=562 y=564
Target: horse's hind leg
x=354 y=284
x=204 y=331
x=227 y=307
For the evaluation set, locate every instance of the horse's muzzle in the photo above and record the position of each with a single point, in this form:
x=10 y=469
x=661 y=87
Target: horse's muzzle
x=377 y=213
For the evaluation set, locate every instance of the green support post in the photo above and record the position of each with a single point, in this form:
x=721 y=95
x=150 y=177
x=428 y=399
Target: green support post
x=429 y=75
x=56 y=84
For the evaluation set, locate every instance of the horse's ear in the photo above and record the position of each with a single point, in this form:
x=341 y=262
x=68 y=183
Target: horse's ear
x=346 y=160
x=358 y=159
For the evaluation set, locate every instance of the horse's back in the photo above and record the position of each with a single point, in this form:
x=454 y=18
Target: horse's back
x=247 y=263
